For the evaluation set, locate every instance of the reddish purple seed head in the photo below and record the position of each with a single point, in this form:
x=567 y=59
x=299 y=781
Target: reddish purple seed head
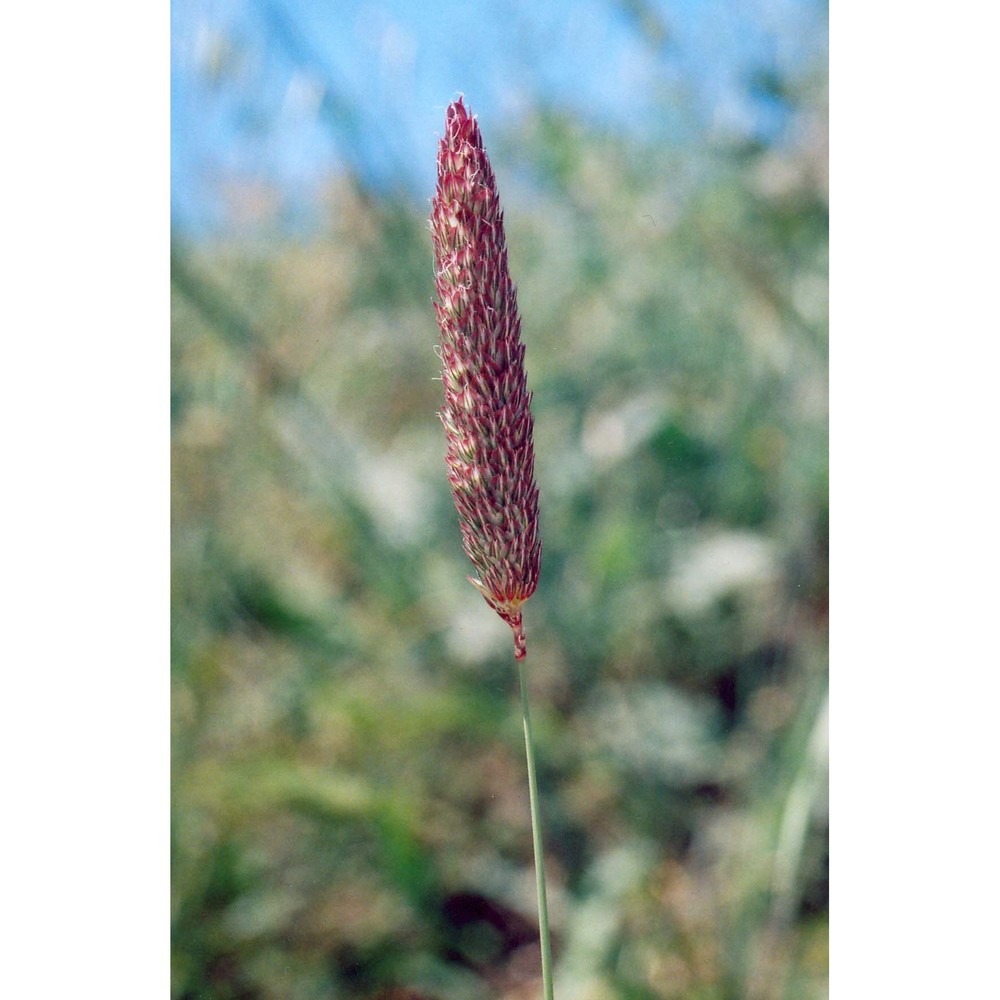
x=487 y=406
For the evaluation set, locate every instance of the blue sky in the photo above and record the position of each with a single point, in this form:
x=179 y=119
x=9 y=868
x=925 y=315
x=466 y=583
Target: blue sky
x=288 y=92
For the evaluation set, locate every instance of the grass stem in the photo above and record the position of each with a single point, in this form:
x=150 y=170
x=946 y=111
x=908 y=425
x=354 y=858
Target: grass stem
x=536 y=835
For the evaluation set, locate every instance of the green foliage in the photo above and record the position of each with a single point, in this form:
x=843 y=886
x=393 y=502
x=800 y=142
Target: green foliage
x=350 y=809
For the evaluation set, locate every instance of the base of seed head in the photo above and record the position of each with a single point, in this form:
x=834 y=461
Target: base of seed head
x=520 y=643
x=510 y=612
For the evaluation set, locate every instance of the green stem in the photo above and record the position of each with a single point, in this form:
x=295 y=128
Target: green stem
x=536 y=836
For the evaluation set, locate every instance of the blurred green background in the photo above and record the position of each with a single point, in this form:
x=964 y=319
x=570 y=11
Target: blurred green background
x=350 y=815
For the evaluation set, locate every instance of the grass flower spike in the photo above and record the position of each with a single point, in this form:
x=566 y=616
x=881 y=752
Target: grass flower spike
x=487 y=413
x=487 y=406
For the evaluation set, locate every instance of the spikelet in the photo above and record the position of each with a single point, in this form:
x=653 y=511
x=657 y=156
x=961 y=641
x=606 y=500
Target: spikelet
x=487 y=406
